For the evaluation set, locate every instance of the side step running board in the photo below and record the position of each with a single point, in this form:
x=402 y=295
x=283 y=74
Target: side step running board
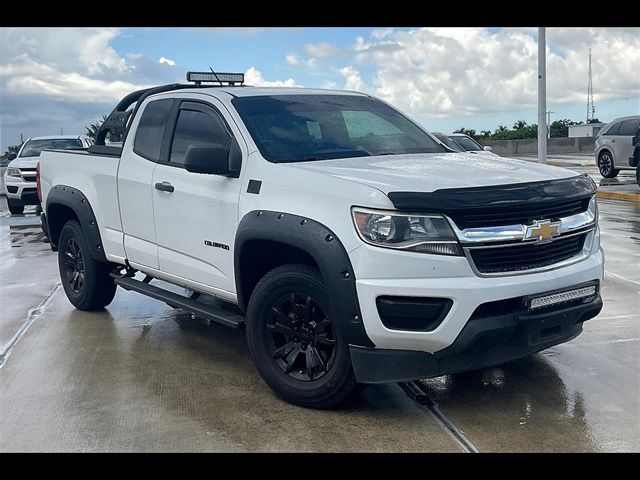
x=210 y=312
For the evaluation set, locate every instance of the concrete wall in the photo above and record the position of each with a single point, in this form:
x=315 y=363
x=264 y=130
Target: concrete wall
x=530 y=145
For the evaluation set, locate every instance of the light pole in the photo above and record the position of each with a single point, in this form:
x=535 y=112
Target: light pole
x=542 y=97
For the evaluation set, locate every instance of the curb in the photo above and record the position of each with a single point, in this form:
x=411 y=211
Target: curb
x=632 y=197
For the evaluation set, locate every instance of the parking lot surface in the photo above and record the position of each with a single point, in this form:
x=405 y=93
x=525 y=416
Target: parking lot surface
x=141 y=376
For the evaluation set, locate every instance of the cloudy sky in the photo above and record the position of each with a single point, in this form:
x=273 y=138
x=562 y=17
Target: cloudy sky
x=54 y=79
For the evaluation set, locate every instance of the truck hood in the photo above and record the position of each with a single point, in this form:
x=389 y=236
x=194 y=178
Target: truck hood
x=26 y=162
x=427 y=172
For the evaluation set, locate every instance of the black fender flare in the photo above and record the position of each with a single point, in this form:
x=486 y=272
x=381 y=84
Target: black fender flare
x=324 y=247
x=74 y=199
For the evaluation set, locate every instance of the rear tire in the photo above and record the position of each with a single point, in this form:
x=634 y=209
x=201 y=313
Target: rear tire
x=605 y=165
x=15 y=208
x=85 y=281
x=294 y=345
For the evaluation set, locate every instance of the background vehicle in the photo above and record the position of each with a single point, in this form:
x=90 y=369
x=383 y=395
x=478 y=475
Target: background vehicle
x=448 y=142
x=468 y=144
x=20 y=175
x=353 y=246
x=3 y=168
x=613 y=145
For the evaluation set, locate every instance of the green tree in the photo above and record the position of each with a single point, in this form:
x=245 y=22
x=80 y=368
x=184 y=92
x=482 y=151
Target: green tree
x=519 y=125
x=93 y=128
x=471 y=133
x=560 y=128
x=485 y=133
x=13 y=149
x=593 y=120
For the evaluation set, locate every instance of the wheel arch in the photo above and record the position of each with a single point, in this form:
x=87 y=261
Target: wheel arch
x=609 y=151
x=282 y=238
x=66 y=203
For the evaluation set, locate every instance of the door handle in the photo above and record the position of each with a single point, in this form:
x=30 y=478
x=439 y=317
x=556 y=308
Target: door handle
x=164 y=187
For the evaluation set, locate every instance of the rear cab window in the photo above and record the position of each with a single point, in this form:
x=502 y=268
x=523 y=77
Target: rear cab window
x=150 y=131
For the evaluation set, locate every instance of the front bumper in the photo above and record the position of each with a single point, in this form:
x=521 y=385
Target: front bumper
x=484 y=341
x=21 y=192
x=384 y=272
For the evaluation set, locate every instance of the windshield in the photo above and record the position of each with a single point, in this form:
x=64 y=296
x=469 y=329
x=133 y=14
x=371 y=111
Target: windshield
x=33 y=147
x=295 y=128
x=468 y=144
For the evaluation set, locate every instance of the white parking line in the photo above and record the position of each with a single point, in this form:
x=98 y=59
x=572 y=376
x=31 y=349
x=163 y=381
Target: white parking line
x=615 y=275
x=32 y=316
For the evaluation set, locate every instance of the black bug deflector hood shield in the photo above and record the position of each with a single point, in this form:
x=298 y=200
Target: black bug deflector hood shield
x=496 y=196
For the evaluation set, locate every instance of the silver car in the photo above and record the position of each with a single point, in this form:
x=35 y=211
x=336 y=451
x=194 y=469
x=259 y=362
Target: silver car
x=613 y=145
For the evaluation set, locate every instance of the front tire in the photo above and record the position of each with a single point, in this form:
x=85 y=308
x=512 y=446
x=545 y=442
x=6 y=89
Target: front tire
x=605 y=165
x=293 y=343
x=85 y=281
x=15 y=208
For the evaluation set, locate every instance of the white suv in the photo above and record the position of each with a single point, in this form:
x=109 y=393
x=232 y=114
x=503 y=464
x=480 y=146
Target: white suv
x=614 y=145
x=20 y=175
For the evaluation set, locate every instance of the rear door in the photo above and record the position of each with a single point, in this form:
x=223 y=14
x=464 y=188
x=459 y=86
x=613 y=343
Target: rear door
x=624 y=141
x=196 y=215
x=134 y=183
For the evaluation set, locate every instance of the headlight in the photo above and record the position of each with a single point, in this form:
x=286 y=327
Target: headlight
x=403 y=231
x=593 y=208
x=13 y=172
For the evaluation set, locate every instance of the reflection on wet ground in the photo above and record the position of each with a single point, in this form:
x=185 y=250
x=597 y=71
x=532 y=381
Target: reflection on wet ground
x=141 y=376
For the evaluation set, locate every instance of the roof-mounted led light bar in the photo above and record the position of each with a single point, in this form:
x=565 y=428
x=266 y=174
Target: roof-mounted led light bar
x=216 y=77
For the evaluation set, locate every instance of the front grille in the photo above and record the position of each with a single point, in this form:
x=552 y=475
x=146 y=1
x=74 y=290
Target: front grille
x=512 y=258
x=28 y=174
x=517 y=214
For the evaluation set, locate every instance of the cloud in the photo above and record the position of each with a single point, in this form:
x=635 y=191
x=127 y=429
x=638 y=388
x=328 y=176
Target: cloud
x=47 y=74
x=254 y=77
x=167 y=61
x=471 y=71
x=353 y=80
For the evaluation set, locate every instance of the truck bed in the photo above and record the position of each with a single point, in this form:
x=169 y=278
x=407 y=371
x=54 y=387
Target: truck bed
x=95 y=176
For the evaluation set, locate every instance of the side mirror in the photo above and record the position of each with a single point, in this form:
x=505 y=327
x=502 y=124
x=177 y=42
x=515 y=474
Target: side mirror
x=488 y=148
x=11 y=156
x=212 y=159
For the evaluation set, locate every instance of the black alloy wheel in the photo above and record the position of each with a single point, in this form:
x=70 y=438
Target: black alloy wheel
x=73 y=270
x=301 y=337
x=605 y=165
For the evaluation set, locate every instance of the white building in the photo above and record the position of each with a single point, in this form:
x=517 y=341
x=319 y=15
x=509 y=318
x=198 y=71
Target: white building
x=585 y=130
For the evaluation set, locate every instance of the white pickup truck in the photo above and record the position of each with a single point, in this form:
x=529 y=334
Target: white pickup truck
x=354 y=245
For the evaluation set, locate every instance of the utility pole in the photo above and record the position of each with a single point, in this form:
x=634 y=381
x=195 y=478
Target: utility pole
x=542 y=97
x=591 y=108
x=549 y=112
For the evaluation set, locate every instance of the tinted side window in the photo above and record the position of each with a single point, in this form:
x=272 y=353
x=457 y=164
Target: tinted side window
x=151 y=128
x=197 y=128
x=629 y=127
x=613 y=129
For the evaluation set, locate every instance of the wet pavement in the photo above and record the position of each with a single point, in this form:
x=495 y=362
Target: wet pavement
x=141 y=376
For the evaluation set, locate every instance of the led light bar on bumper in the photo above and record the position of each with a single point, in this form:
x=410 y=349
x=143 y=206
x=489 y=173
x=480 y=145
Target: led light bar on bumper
x=534 y=303
x=402 y=231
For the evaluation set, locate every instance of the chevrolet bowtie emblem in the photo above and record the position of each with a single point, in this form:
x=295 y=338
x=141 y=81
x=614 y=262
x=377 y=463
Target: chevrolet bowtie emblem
x=542 y=230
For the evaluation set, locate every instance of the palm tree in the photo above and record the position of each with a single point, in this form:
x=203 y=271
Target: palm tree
x=92 y=129
x=519 y=125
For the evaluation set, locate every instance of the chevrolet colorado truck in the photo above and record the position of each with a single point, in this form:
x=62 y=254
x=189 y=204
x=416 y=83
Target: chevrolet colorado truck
x=352 y=245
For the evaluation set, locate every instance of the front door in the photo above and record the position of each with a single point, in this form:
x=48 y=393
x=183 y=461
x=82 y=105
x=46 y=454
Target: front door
x=196 y=215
